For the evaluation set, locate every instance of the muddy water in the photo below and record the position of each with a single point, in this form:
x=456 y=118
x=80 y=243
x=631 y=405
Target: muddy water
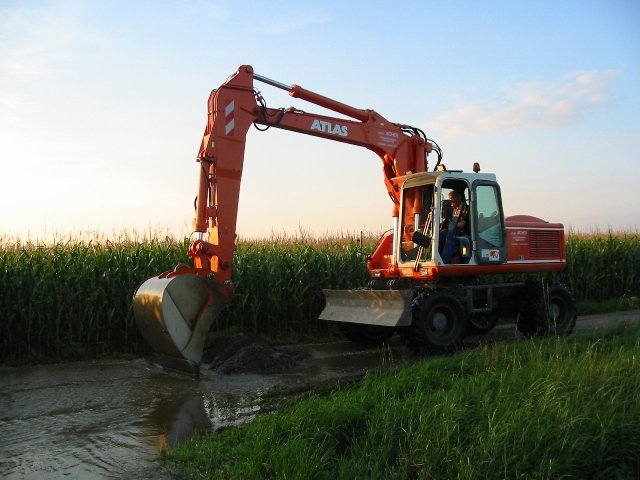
x=109 y=419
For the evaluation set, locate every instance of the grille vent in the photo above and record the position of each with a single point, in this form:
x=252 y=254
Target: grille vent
x=544 y=244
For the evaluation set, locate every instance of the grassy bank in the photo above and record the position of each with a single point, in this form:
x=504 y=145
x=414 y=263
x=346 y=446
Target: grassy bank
x=543 y=409
x=72 y=298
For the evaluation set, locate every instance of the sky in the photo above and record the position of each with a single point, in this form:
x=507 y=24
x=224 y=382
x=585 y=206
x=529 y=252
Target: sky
x=103 y=105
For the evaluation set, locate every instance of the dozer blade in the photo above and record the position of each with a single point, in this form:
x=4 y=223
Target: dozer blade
x=388 y=308
x=174 y=316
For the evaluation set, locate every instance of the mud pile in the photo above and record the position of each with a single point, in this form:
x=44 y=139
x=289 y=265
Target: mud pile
x=244 y=354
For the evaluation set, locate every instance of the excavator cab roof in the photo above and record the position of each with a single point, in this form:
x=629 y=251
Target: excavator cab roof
x=424 y=178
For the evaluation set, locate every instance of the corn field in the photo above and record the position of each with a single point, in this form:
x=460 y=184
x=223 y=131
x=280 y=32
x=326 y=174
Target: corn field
x=72 y=299
x=603 y=265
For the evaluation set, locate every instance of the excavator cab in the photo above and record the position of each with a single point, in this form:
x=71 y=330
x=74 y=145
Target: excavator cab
x=435 y=231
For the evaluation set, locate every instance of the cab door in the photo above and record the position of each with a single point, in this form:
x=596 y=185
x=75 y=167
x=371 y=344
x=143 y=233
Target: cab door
x=488 y=223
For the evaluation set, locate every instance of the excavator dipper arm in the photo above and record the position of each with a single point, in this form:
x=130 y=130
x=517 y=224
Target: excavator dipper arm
x=175 y=310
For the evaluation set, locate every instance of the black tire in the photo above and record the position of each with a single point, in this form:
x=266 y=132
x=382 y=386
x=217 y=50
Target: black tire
x=438 y=323
x=481 y=323
x=533 y=319
x=366 y=335
x=561 y=310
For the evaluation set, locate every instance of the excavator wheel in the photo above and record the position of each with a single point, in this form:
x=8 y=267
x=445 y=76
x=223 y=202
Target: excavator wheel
x=533 y=319
x=561 y=310
x=438 y=323
x=174 y=316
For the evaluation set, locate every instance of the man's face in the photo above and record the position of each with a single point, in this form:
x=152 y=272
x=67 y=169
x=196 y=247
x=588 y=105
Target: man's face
x=455 y=199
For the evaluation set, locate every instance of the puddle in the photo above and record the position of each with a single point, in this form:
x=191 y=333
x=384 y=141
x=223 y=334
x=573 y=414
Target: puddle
x=109 y=419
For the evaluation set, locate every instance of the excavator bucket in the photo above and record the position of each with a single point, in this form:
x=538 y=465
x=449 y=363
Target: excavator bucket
x=389 y=308
x=174 y=315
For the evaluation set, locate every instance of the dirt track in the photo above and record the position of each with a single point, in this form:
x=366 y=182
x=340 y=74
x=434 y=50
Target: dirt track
x=606 y=320
x=585 y=325
x=312 y=364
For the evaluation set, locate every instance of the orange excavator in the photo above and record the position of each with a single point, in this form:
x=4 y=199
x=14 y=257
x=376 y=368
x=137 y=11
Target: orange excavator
x=434 y=275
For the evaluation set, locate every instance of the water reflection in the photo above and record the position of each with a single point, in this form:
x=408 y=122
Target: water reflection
x=98 y=420
x=174 y=418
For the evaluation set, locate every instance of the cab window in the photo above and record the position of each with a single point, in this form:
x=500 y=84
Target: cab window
x=488 y=219
x=416 y=215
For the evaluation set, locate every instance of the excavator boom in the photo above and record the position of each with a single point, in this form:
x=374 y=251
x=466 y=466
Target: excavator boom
x=175 y=310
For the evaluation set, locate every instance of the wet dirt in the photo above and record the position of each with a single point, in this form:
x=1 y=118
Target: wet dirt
x=244 y=354
x=109 y=419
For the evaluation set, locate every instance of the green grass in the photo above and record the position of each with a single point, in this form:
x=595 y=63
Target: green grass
x=543 y=409
x=72 y=298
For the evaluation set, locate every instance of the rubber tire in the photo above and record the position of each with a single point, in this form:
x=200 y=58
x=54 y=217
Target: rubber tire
x=533 y=319
x=481 y=323
x=561 y=310
x=366 y=335
x=427 y=332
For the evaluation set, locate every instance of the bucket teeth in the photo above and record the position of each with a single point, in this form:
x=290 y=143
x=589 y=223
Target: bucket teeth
x=176 y=364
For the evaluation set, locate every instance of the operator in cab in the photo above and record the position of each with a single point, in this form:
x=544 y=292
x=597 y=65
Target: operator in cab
x=454 y=225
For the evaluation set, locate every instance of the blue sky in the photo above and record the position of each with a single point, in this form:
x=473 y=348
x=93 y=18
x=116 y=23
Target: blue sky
x=102 y=108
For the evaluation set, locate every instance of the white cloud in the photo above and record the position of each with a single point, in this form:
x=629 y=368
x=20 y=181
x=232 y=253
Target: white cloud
x=531 y=105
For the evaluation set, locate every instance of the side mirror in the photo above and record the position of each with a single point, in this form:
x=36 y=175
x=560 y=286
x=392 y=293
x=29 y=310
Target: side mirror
x=421 y=239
